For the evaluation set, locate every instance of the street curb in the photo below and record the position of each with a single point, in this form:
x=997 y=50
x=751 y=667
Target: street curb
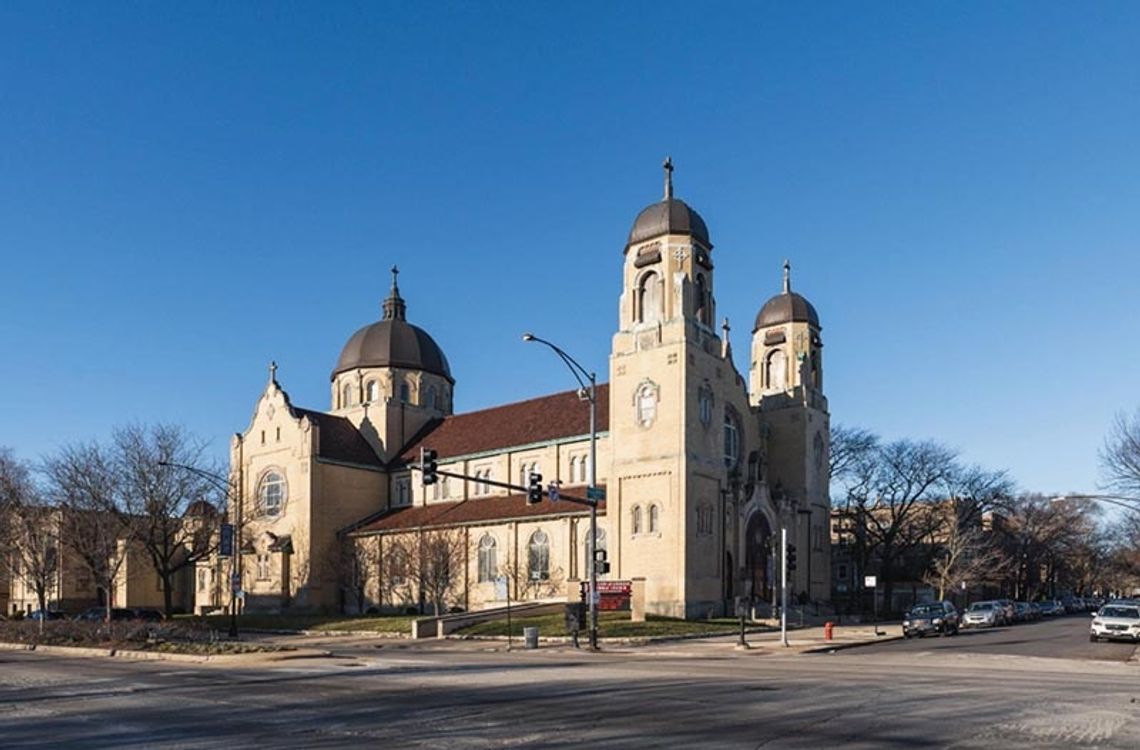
x=850 y=644
x=621 y=641
x=136 y=655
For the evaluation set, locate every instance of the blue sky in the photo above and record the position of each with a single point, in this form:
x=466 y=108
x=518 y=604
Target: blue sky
x=188 y=191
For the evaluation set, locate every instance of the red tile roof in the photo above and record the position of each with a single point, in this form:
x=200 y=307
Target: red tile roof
x=340 y=440
x=560 y=415
x=475 y=511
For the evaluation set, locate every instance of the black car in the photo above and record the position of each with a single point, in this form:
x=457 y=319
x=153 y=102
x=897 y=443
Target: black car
x=144 y=614
x=935 y=617
x=99 y=614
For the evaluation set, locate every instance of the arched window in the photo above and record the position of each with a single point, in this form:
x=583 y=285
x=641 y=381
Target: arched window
x=635 y=521
x=646 y=404
x=271 y=493
x=405 y=393
x=538 y=557
x=446 y=491
x=346 y=395
x=649 y=299
x=777 y=370
x=584 y=469
x=731 y=441
x=573 y=468
x=702 y=302
x=372 y=391
x=654 y=519
x=488 y=564
x=589 y=566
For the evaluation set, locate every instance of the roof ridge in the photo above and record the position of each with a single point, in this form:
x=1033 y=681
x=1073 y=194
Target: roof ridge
x=518 y=403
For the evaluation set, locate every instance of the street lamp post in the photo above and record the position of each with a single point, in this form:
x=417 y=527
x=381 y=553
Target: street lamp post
x=221 y=483
x=586 y=393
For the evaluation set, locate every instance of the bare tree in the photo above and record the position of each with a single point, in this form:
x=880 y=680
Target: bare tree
x=891 y=491
x=356 y=562
x=442 y=560
x=171 y=504
x=29 y=531
x=83 y=482
x=849 y=446
x=1120 y=456
x=967 y=555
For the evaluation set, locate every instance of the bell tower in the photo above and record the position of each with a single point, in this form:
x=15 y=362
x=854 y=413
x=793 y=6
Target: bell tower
x=786 y=379
x=667 y=366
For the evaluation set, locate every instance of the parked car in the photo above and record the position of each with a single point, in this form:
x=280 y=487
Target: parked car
x=935 y=617
x=99 y=614
x=50 y=614
x=983 y=615
x=1113 y=621
x=146 y=614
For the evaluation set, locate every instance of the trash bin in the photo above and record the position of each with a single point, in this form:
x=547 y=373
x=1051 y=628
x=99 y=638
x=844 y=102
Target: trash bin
x=530 y=636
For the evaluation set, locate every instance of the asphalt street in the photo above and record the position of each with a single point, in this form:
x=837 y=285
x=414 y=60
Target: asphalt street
x=1062 y=637
x=672 y=695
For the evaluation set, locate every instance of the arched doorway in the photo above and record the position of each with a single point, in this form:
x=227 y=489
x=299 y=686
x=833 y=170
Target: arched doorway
x=758 y=556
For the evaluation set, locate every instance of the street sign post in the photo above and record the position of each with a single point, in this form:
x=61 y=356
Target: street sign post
x=235 y=582
x=872 y=582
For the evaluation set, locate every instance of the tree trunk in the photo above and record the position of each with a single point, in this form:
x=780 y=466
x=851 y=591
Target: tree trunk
x=167 y=595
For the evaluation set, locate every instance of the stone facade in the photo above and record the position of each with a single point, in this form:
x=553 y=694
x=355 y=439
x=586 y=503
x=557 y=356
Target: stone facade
x=702 y=464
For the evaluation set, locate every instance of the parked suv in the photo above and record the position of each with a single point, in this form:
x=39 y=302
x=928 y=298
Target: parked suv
x=1116 y=621
x=935 y=617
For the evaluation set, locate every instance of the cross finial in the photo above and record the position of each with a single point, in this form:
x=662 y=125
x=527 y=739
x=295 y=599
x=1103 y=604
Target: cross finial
x=787 y=276
x=668 y=166
x=724 y=327
x=394 y=307
x=273 y=372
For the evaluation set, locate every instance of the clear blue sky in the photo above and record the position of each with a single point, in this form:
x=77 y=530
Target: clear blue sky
x=190 y=190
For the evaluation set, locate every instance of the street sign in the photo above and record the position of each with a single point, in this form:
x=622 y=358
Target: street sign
x=595 y=493
x=870 y=581
x=552 y=492
x=226 y=543
x=235 y=582
x=501 y=587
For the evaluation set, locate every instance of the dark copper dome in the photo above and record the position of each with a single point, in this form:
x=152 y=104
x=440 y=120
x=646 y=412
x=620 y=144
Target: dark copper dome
x=786 y=307
x=393 y=342
x=668 y=216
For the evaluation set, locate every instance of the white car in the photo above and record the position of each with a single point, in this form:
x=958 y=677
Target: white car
x=1116 y=621
x=983 y=615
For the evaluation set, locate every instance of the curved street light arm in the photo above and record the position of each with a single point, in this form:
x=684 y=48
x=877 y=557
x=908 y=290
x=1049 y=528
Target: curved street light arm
x=575 y=368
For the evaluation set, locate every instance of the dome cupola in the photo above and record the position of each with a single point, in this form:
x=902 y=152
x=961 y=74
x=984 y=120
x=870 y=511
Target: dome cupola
x=786 y=307
x=393 y=342
x=668 y=216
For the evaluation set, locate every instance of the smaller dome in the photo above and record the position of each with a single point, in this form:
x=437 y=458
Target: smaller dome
x=786 y=307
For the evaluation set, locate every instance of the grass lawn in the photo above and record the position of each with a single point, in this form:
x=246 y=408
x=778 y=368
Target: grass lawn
x=333 y=623
x=610 y=625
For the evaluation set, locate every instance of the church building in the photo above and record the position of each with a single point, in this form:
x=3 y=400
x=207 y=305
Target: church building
x=702 y=465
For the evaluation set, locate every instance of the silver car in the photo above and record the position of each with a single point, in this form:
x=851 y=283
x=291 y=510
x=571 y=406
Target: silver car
x=1116 y=621
x=983 y=615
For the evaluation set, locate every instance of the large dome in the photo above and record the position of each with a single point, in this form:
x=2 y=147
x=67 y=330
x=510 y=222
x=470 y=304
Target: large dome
x=669 y=216
x=786 y=307
x=393 y=342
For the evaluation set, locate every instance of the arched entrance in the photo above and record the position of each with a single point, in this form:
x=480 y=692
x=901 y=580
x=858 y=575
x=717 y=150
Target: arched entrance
x=758 y=556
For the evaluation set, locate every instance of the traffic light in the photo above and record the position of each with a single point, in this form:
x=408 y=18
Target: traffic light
x=534 y=490
x=428 y=466
x=600 y=561
x=790 y=556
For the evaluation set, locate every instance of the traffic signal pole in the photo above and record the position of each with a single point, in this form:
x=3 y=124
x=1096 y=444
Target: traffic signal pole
x=784 y=587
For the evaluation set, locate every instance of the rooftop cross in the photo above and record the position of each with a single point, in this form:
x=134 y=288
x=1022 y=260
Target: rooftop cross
x=394 y=307
x=668 y=166
x=273 y=372
x=787 y=276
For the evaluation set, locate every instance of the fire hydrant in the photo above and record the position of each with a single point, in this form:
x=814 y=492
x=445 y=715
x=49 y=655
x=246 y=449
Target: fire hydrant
x=828 y=630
